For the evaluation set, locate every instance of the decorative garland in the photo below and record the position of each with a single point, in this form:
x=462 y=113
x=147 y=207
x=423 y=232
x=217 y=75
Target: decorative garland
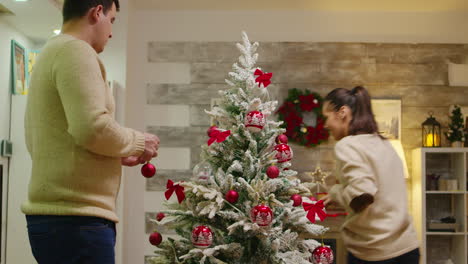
x=301 y=113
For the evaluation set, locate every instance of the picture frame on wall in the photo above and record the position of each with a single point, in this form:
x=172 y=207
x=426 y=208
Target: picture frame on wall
x=18 y=68
x=388 y=117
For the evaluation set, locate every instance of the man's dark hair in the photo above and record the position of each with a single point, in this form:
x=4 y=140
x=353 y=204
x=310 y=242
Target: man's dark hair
x=78 y=8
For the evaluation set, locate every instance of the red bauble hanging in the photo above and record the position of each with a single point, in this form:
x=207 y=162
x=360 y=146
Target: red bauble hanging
x=155 y=239
x=272 y=172
x=297 y=200
x=284 y=153
x=160 y=216
x=255 y=121
x=282 y=139
x=232 y=196
x=148 y=170
x=262 y=215
x=322 y=255
x=202 y=237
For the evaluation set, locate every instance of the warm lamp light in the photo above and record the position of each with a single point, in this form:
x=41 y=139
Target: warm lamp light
x=432 y=140
x=401 y=153
x=431 y=132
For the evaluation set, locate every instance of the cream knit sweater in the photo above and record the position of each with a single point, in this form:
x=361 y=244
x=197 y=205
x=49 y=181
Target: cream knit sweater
x=383 y=230
x=74 y=142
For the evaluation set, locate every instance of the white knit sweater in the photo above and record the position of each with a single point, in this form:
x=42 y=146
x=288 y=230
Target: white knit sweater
x=384 y=230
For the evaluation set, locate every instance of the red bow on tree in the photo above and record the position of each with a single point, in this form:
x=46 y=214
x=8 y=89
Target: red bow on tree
x=315 y=209
x=171 y=188
x=263 y=78
x=218 y=136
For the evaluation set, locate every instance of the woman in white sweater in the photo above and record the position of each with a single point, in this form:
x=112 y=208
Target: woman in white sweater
x=371 y=185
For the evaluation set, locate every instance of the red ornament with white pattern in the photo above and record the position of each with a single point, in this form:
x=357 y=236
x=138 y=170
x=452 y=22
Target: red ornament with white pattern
x=255 y=121
x=262 y=215
x=322 y=255
x=284 y=153
x=202 y=237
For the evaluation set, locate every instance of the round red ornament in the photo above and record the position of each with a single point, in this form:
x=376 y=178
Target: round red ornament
x=284 y=153
x=148 y=170
x=282 y=139
x=297 y=199
x=211 y=129
x=262 y=215
x=255 y=121
x=160 y=216
x=155 y=239
x=272 y=172
x=232 y=196
x=322 y=255
x=202 y=237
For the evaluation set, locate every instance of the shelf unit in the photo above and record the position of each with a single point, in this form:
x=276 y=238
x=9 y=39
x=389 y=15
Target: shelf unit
x=433 y=201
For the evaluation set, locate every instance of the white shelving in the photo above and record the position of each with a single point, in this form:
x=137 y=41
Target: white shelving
x=433 y=201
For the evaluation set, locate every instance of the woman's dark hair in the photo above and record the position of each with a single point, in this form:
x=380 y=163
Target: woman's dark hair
x=358 y=100
x=78 y=8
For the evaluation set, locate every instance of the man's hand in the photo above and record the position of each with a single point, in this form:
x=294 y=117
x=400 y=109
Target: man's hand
x=151 y=148
x=130 y=161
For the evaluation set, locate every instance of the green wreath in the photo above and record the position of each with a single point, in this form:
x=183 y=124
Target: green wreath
x=302 y=117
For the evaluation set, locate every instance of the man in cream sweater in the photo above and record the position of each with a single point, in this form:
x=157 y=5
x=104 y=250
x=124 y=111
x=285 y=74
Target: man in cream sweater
x=76 y=146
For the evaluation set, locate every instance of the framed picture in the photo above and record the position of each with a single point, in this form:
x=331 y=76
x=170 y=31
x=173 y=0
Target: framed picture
x=18 y=68
x=388 y=117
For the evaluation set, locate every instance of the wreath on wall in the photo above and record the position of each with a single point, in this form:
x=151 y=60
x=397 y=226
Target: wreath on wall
x=302 y=117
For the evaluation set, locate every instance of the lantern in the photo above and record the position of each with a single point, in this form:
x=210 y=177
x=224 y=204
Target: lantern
x=431 y=134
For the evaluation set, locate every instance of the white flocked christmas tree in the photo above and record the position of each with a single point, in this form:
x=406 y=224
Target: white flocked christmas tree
x=244 y=204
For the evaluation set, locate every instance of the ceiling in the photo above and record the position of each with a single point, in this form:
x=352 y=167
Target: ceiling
x=37 y=19
x=314 y=5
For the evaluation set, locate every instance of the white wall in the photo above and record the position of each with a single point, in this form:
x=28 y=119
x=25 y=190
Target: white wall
x=150 y=25
x=17 y=245
x=396 y=27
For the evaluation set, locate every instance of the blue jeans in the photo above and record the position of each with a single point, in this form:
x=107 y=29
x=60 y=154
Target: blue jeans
x=411 y=257
x=71 y=239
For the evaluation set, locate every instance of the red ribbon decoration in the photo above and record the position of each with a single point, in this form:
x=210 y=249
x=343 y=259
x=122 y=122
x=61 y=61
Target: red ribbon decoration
x=171 y=188
x=218 y=136
x=315 y=209
x=263 y=78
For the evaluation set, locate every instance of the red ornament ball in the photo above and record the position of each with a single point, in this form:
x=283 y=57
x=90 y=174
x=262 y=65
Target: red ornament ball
x=262 y=215
x=232 y=196
x=282 y=139
x=255 y=121
x=297 y=200
x=202 y=237
x=284 y=153
x=160 y=216
x=272 y=172
x=148 y=170
x=322 y=255
x=211 y=129
x=155 y=239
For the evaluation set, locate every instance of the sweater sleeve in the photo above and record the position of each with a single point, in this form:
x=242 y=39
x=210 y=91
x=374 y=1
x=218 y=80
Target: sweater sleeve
x=82 y=90
x=357 y=173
